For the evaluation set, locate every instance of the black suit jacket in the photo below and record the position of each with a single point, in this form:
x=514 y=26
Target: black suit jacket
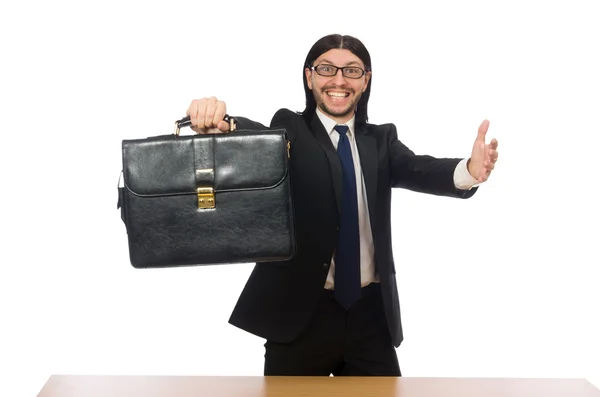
x=280 y=298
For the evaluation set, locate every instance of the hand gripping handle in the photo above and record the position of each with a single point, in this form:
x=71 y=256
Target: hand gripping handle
x=186 y=122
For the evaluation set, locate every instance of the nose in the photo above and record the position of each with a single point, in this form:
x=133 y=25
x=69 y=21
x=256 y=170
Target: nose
x=339 y=78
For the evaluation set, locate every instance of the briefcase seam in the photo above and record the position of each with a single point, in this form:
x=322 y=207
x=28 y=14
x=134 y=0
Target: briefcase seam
x=282 y=180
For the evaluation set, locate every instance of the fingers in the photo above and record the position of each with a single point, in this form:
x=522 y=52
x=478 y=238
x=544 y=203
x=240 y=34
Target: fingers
x=489 y=164
x=490 y=160
x=201 y=112
x=196 y=112
x=494 y=144
x=491 y=157
x=206 y=115
x=484 y=176
x=219 y=114
x=483 y=128
x=192 y=111
x=483 y=153
x=209 y=112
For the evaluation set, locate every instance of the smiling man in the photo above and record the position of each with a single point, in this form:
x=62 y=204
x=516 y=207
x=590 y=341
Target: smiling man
x=338 y=94
x=333 y=308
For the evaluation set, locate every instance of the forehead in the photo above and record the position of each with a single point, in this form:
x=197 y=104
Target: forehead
x=339 y=58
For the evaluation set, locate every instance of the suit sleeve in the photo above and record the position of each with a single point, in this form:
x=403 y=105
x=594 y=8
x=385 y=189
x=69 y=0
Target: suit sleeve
x=285 y=118
x=282 y=119
x=244 y=123
x=422 y=173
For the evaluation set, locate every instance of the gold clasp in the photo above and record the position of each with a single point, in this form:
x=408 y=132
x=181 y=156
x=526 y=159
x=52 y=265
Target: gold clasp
x=206 y=197
x=232 y=123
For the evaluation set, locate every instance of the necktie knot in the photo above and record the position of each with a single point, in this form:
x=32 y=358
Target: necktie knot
x=341 y=128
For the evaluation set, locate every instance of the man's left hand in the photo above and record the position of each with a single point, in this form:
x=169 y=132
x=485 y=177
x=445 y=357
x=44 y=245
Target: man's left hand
x=484 y=156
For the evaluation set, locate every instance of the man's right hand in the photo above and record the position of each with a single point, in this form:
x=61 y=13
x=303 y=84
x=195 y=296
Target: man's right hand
x=207 y=115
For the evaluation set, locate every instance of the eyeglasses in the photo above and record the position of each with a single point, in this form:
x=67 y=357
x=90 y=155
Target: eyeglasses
x=352 y=72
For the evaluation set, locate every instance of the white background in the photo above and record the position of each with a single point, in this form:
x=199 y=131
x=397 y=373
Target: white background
x=502 y=285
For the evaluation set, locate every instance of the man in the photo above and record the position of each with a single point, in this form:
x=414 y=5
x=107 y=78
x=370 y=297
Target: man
x=333 y=308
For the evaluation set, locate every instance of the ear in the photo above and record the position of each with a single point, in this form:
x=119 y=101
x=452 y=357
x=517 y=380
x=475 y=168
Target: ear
x=367 y=79
x=308 y=74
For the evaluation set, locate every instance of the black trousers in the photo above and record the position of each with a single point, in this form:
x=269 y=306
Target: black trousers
x=339 y=342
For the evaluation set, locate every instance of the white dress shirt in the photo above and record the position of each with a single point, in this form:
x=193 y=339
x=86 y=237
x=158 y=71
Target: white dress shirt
x=462 y=180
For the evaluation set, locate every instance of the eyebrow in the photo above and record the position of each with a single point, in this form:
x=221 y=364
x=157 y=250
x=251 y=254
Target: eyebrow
x=348 y=64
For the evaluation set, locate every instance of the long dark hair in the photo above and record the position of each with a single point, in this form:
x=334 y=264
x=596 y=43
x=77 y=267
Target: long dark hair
x=325 y=44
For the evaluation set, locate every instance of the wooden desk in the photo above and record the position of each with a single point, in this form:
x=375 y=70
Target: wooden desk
x=241 y=386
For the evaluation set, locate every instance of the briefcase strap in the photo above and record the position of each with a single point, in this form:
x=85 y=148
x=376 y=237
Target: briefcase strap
x=186 y=122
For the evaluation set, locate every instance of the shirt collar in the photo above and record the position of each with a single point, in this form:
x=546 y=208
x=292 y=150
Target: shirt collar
x=329 y=123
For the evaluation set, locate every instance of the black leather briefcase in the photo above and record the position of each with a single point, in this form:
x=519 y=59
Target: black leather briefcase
x=207 y=199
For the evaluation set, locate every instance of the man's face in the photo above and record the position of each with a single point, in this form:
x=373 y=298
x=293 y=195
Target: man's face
x=338 y=95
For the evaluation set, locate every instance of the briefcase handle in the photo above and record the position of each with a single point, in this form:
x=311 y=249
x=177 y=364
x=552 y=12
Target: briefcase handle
x=186 y=122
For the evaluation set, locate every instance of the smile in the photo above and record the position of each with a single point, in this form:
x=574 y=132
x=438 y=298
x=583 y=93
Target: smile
x=338 y=94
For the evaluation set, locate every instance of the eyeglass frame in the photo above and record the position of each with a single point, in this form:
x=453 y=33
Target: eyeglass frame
x=337 y=69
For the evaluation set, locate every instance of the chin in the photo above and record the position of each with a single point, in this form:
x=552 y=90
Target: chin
x=337 y=112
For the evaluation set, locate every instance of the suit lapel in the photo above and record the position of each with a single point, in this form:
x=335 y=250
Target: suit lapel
x=367 y=150
x=335 y=167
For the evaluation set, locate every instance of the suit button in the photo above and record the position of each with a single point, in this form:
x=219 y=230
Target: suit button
x=325 y=266
x=337 y=228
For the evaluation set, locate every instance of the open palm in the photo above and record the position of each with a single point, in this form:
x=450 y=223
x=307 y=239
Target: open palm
x=484 y=156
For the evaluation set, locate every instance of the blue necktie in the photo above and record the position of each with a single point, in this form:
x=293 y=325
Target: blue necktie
x=347 y=257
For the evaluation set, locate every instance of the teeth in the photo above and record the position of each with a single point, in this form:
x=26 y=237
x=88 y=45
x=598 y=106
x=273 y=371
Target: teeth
x=337 y=94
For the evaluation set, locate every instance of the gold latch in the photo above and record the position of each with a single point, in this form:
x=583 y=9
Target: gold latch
x=206 y=197
x=288 y=149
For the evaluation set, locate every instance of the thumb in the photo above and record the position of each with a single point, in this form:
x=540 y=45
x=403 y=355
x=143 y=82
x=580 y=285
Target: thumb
x=483 y=128
x=223 y=126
